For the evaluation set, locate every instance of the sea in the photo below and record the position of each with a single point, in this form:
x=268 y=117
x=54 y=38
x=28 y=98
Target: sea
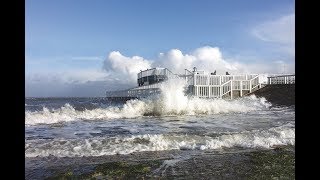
x=91 y=127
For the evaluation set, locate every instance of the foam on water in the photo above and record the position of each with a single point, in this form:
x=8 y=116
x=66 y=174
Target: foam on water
x=137 y=108
x=171 y=101
x=98 y=146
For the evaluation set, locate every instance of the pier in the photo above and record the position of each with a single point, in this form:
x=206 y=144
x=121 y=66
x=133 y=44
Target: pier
x=199 y=84
x=222 y=86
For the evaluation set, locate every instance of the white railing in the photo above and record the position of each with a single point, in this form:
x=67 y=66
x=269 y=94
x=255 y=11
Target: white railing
x=226 y=87
x=201 y=79
x=157 y=71
x=201 y=85
x=236 y=85
x=214 y=80
x=226 y=78
x=254 y=82
x=245 y=85
x=215 y=91
x=220 y=85
x=282 y=79
x=150 y=86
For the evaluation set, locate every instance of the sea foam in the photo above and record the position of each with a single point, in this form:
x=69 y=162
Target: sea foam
x=98 y=146
x=171 y=101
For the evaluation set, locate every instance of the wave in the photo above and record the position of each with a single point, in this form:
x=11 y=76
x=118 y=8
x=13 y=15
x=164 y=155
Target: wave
x=171 y=101
x=147 y=107
x=283 y=135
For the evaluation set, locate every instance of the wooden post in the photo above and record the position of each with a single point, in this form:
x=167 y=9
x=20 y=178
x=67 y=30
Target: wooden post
x=208 y=85
x=241 y=88
x=220 y=83
x=197 y=91
x=285 y=79
x=231 y=89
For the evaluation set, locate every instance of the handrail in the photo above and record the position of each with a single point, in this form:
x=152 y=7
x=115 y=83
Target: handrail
x=281 y=76
x=282 y=79
x=189 y=71
x=223 y=85
x=252 y=86
x=226 y=82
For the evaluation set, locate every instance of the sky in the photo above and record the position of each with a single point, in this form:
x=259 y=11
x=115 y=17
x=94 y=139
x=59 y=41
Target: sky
x=83 y=48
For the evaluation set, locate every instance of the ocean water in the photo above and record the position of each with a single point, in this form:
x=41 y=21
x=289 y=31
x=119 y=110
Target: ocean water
x=87 y=127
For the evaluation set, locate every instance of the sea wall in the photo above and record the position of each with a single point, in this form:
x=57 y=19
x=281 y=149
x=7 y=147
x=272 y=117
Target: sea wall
x=278 y=94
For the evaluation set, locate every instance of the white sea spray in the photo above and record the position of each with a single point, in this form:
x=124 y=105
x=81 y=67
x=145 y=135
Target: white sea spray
x=172 y=101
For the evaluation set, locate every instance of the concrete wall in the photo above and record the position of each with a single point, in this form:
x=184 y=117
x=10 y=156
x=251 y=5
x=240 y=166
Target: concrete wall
x=278 y=94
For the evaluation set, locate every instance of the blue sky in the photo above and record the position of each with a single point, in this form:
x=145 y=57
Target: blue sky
x=69 y=43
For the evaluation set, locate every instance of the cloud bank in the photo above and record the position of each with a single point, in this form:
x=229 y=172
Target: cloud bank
x=120 y=72
x=204 y=58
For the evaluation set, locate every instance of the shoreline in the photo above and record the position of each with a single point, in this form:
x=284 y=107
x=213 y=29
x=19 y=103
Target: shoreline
x=225 y=163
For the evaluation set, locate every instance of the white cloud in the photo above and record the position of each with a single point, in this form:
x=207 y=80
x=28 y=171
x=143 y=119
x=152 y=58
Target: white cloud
x=125 y=68
x=280 y=31
x=204 y=58
x=175 y=60
x=208 y=53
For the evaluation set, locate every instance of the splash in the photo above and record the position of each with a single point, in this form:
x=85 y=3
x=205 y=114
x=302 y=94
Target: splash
x=174 y=101
x=171 y=102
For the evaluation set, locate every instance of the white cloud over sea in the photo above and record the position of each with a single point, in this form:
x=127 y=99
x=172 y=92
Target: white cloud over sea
x=120 y=71
x=204 y=58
